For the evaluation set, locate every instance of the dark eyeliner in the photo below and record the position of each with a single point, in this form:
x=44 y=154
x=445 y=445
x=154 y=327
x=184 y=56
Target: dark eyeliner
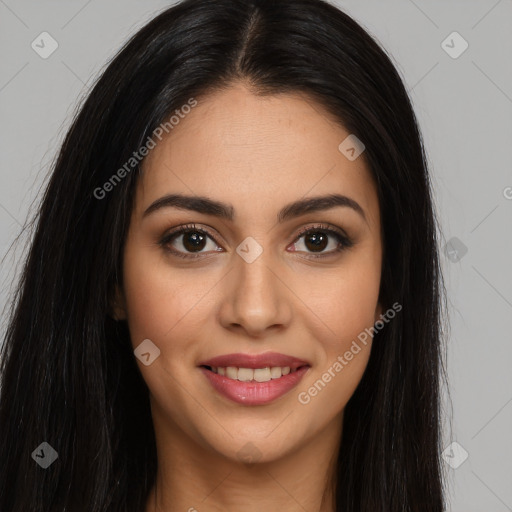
x=344 y=241
x=168 y=237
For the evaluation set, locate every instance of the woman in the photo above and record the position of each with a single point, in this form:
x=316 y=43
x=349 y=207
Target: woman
x=232 y=298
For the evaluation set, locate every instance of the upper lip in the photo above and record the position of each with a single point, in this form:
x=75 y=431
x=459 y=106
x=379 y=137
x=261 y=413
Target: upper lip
x=270 y=359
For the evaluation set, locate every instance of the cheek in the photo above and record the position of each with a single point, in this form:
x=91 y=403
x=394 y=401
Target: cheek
x=344 y=302
x=327 y=393
x=345 y=309
x=157 y=300
x=161 y=307
x=344 y=346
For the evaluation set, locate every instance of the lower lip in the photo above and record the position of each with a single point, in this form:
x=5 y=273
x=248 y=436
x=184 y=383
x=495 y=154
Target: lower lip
x=254 y=393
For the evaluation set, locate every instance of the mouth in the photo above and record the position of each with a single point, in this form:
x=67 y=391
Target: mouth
x=264 y=374
x=250 y=379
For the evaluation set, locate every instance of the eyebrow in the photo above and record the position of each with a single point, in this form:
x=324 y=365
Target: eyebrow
x=225 y=211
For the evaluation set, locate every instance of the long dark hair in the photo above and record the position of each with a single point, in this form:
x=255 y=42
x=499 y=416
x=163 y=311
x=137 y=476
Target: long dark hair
x=68 y=372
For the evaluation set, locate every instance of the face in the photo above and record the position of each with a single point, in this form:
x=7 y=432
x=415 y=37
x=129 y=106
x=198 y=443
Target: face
x=250 y=282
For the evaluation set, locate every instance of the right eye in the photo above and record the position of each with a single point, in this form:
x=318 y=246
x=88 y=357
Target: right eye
x=187 y=238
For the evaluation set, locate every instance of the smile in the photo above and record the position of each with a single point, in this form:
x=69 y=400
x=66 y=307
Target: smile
x=252 y=374
x=254 y=379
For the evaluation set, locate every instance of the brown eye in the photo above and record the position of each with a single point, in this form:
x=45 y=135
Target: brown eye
x=193 y=240
x=188 y=242
x=317 y=239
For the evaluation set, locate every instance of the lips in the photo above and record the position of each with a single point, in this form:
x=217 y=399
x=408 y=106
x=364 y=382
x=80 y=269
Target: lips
x=254 y=393
x=269 y=359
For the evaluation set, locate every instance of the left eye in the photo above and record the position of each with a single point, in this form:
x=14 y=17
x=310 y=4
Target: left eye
x=317 y=240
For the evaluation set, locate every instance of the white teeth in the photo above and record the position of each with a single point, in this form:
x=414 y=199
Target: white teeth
x=276 y=372
x=262 y=375
x=245 y=374
x=232 y=372
x=258 y=374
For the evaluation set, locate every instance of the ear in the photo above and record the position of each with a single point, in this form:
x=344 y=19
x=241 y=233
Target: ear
x=117 y=306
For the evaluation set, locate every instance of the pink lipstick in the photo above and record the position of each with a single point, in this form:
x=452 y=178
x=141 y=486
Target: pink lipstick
x=254 y=379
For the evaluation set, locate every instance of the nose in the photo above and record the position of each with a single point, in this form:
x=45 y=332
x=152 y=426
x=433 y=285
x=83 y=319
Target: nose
x=256 y=300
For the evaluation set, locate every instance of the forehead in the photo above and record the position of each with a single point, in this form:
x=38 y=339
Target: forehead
x=248 y=149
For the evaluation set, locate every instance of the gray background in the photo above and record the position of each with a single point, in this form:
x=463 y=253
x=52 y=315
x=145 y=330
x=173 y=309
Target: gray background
x=464 y=107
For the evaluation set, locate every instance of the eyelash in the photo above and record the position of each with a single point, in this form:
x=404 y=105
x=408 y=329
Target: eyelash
x=343 y=241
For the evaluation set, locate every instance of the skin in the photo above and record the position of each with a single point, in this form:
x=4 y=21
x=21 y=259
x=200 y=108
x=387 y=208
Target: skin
x=257 y=154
